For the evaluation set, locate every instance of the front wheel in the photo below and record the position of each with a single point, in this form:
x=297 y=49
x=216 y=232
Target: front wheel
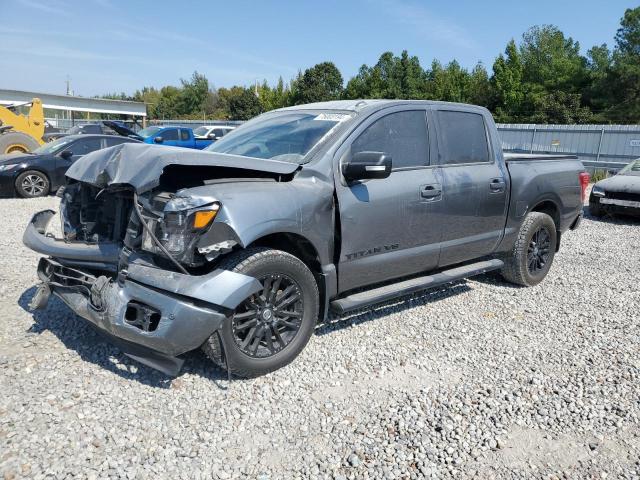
x=270 y=328
x=533 y=252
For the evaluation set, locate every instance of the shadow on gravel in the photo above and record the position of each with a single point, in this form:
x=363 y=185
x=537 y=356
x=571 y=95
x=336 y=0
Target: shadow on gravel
x=394 y=306
x=77 y=334
x=495 y=279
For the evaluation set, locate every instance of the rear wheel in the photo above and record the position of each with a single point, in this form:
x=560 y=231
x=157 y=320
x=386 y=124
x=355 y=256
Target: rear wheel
x=533 y=252
x=32 y=183
x=270 y=328
x=17 y=142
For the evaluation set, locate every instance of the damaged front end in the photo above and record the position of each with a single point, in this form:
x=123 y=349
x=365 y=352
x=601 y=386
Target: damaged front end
x=139 y=267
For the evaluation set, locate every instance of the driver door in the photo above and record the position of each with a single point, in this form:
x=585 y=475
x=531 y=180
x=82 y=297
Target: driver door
x=388 y=227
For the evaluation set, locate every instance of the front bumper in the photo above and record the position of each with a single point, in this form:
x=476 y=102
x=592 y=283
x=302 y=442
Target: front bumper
x=622 y=206
x=154 y=314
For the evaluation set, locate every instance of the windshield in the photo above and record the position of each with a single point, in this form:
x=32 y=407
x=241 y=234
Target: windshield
x=287 y=136
x=632 y=169
x=149 y=131
x=53 y=147
x=201 y=131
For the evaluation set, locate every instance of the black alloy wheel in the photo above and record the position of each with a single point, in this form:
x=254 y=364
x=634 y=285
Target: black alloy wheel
x=267 y=322
x=539 y=250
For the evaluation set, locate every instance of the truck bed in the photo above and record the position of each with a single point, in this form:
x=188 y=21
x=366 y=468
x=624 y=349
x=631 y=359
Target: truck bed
x=515 y=157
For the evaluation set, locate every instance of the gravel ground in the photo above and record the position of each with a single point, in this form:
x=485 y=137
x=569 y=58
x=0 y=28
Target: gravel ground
x=480 y=379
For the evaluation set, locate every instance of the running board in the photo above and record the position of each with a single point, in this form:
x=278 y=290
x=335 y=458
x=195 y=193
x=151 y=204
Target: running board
x=389 y=292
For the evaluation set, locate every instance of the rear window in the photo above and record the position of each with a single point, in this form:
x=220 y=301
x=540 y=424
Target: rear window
x=463 y=138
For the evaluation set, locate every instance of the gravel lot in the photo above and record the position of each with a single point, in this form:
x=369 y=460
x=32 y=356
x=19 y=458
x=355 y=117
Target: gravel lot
x=479 y=379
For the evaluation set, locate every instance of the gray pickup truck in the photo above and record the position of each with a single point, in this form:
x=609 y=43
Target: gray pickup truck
x=331 y=207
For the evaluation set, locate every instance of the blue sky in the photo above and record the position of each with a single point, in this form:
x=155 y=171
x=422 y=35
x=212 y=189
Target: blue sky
x=113 y=46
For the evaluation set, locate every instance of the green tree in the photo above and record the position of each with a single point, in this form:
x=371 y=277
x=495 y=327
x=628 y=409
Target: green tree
x=479 y=87
x=244 y=104
x=508 y=90
x=560 y=107
x=597 y=94
x=390 y=77
x=551 y=60
x=320 y=83
x=193 y=96
x=168 y=100
x=624 y=80
x=150 y=96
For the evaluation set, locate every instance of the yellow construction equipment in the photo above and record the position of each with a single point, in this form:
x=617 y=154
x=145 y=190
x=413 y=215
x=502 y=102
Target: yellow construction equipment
x=21 y=133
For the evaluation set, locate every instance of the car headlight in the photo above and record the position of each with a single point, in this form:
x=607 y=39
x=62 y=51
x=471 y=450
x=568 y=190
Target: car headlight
x=6 y=168
x=597 y=191
x=183 y=221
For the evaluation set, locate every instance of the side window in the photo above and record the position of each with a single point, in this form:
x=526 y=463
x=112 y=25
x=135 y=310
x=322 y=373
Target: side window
x=82 y=147
x=463 y=138
x=184 y=134
x=91 y=128
x=402 y=135
x=115 y=141
x=170 y=134
x=218 y=132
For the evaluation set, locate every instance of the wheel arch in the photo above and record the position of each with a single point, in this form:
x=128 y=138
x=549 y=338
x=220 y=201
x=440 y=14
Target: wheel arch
x=303 y=249
x=550 y=208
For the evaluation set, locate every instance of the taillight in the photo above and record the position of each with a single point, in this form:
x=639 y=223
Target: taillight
x=584 y=183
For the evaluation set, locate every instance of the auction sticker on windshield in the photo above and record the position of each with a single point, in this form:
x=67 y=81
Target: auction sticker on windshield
x=333 y=117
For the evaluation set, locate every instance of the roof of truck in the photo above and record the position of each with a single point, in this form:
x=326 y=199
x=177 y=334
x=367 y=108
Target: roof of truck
x=360 y=104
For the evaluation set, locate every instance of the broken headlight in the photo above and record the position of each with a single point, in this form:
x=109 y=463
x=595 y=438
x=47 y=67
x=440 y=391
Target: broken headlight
x=184 y=219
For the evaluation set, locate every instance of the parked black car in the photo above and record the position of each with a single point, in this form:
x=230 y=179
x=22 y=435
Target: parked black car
x=42 y=171
x=106 y=127
x=618 y=194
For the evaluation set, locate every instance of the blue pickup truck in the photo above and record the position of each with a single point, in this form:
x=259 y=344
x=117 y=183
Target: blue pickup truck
x=174 y=137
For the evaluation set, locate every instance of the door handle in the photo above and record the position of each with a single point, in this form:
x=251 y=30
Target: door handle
x=431 y=191
x=497 y=185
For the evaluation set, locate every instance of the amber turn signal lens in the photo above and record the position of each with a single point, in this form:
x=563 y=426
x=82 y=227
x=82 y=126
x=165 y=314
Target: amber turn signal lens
x=203 y=218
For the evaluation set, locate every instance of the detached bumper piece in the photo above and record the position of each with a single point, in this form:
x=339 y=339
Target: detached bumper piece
x=150 y=326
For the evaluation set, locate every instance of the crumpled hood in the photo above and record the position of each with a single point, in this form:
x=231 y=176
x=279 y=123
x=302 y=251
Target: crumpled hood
x=621 y=183
x=140 y=165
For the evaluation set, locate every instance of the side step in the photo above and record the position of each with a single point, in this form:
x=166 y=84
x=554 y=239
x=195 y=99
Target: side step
x=389 y=292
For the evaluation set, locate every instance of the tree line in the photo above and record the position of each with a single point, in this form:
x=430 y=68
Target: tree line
x=543 y=78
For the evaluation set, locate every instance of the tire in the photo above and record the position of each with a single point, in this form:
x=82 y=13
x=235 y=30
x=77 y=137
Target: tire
x=17 y=142
x=533 y=252
x=32 y=184
x=271 y=323
x=595 y=209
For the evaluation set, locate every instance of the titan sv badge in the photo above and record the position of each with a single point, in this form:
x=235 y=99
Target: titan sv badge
x=372 y=251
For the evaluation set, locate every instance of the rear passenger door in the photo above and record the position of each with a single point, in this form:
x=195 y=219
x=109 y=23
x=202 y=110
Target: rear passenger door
x=475 y=186
x=186 y=139
x=389 y=227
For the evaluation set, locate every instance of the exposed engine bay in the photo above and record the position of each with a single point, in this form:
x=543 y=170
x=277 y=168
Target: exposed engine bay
x=170 y=227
